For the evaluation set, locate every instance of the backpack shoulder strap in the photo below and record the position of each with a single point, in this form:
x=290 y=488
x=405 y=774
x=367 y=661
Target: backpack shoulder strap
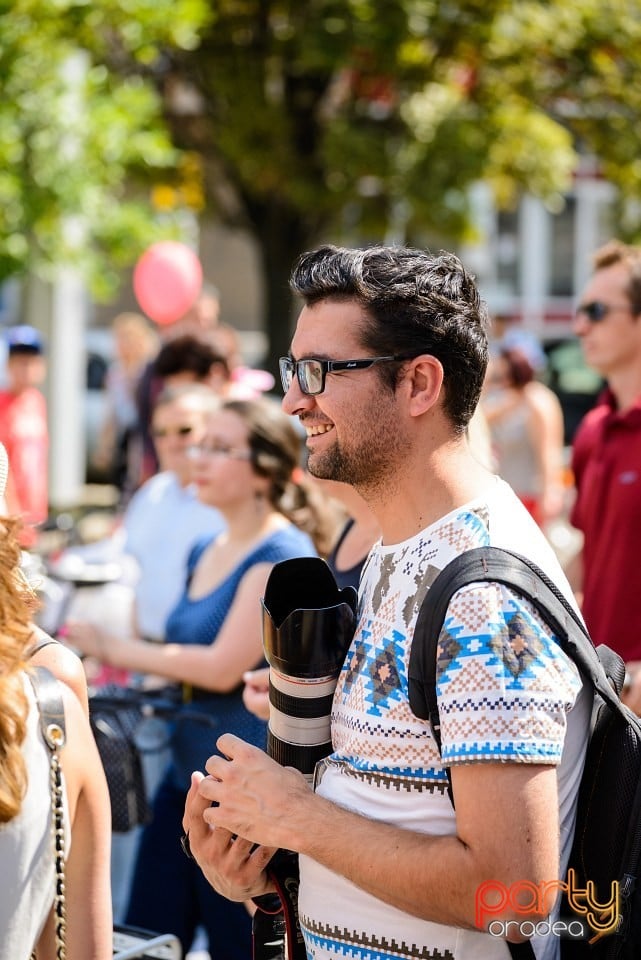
x=495 y=565
x=492 y=564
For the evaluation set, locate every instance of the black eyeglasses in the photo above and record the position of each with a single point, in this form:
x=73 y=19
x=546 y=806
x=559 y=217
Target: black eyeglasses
x=160 y=433
x=311 y=372
x=595 y=311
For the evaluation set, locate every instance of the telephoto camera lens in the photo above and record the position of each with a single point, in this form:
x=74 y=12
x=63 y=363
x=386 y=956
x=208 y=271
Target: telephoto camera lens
x=308 y=625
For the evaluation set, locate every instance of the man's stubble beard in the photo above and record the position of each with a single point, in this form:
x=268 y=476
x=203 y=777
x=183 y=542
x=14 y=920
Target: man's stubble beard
x=371 y=467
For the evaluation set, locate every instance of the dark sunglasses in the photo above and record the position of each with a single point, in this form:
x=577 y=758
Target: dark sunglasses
x=161 y=434
x=595 y=311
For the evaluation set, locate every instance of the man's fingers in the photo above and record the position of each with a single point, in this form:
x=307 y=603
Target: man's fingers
x=231 y=746
x=195 y=806
x=208 y=791
x=262 y=855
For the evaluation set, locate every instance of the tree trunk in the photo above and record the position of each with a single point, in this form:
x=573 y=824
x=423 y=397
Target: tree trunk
x=282 y=236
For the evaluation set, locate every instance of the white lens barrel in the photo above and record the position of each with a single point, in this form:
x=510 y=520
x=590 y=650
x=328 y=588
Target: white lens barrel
x=299 y=720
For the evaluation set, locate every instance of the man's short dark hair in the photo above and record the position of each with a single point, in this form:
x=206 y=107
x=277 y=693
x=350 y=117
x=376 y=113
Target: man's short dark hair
x=413 y=302
x=188 y=355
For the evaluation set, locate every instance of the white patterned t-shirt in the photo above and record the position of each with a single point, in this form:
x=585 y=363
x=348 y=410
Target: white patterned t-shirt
x=505 y=691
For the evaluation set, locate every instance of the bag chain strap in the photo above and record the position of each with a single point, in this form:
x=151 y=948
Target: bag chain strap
x=57 y=807
x=54 y=736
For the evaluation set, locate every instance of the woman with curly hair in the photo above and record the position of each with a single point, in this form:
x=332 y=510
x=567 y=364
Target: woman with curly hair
x=26 y=840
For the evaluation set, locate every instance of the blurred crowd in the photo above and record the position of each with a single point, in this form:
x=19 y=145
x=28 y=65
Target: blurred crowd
x=213 y=491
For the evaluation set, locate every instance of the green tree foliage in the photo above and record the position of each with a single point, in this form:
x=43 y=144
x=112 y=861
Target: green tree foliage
x=77 y=139
x=342 y=120
x=361 y=119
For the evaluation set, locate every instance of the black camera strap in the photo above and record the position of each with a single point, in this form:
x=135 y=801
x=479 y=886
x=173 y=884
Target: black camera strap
x=276 y=930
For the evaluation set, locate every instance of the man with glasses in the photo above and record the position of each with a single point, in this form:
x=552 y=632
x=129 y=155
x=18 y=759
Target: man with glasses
x=606 y=459
x=384 y=373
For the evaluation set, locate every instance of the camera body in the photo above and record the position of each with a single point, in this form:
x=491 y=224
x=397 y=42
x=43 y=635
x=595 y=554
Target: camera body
x=308 y=625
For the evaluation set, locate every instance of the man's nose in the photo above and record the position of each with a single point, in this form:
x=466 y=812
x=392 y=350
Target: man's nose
x=295 y=400
x=580 y=324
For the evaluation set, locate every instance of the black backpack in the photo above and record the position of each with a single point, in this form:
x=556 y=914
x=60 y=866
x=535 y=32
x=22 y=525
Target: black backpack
x=607 y=841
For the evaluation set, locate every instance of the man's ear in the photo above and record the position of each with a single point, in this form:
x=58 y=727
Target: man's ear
x=425 y=379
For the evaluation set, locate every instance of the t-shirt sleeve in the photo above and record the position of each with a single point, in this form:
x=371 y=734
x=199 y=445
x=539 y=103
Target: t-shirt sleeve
x=504 y=685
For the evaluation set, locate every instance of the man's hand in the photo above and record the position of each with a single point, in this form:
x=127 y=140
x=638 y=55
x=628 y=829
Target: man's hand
x=233 y=866
x=255 y=797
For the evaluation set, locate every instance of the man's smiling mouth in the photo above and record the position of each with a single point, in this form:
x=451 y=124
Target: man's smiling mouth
x=315 y=430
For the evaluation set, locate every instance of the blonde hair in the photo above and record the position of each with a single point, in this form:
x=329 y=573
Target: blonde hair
x=615 y=252
x=15 y=635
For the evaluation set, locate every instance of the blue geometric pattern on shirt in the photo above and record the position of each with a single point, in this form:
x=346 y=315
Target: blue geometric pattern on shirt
x=367 y=948
x=357 y=764
x=520 y=648
x=516 y=651
x=352 y=665
x=476 y=523
x=487 y=751
x=514 y=644
x=380 y=668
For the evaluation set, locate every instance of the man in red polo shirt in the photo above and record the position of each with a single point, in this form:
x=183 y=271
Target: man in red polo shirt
x=23 y=430
x=606 y=459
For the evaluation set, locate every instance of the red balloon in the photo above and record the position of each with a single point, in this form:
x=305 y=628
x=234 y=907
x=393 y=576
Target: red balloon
x=167 y=280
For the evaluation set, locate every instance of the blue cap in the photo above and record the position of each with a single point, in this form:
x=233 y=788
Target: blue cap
x=24 y=339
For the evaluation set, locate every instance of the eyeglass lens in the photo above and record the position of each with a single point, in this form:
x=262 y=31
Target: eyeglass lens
x=286 y=367
x=309 y=374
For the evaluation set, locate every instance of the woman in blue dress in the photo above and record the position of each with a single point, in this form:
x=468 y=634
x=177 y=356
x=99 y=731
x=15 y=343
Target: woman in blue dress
x=248 y=468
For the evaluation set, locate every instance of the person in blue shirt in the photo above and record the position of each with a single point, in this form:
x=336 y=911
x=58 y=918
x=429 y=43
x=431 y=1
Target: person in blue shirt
x=247 y=466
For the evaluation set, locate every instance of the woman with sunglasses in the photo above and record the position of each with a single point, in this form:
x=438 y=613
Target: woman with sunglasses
x=247 y=466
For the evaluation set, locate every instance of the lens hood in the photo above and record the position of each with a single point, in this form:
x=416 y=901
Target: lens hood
x=308 y=622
